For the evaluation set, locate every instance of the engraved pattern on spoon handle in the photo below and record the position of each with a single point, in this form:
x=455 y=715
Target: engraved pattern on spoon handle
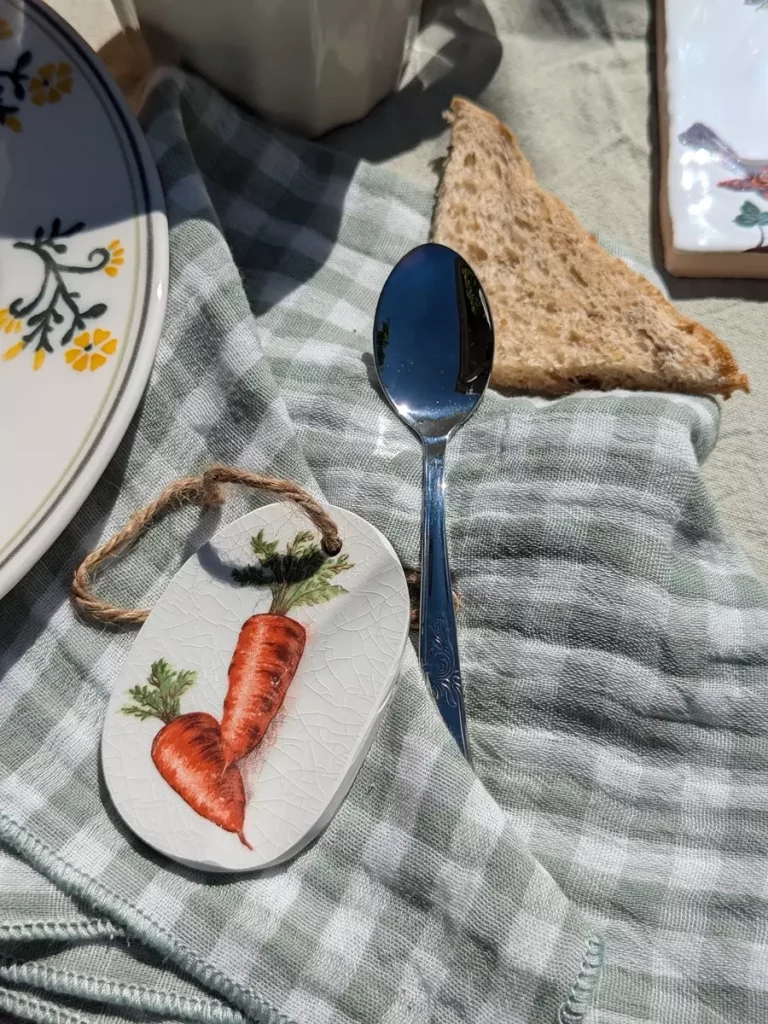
x=438 y=644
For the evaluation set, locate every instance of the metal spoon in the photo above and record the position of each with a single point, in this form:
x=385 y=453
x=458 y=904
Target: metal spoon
x=433 y=346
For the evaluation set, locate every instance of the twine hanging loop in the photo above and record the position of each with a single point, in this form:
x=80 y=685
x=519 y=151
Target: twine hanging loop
x=206 y=491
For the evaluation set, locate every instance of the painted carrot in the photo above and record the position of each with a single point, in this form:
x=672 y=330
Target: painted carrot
x=187 y=750
x=271 y=644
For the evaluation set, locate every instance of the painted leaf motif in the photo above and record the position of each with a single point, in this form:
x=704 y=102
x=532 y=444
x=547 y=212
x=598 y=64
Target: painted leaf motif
x=253 y=576
x=303 y=544
x=313 y=591
x=263 y=549
x=301 y=576
x=161 y=698
x=749 y=215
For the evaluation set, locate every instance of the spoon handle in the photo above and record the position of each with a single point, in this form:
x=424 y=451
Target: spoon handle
x=438 y=644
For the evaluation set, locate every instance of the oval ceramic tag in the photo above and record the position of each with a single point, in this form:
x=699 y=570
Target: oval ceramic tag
x=253 y=691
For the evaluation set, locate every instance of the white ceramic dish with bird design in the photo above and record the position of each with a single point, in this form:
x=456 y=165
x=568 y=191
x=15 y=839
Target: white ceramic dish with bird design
x=716 y=96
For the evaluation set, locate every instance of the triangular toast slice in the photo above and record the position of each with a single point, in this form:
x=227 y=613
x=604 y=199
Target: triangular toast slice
x=567 y=315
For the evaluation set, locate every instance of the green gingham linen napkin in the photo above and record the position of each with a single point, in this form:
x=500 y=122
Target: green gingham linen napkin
x=607 y=862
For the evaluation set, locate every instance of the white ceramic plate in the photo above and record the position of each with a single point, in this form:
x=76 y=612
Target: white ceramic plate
x=297 y=775
x=83 y=274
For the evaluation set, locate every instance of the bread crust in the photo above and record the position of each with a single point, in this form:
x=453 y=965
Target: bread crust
x=566 y=313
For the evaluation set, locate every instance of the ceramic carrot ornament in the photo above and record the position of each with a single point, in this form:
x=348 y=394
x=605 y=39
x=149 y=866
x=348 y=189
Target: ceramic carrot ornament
x=270 y=645
x=187 y=750
x=205 y=678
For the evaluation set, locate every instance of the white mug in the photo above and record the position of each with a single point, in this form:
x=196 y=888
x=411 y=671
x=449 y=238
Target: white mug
x=308 y=65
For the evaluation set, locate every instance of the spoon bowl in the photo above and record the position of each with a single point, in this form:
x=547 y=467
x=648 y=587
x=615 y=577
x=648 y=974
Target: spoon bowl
x=433 y=340
x=433 y=347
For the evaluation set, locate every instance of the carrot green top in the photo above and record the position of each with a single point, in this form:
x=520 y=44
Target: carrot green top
x=302 y=575
x=161 y=698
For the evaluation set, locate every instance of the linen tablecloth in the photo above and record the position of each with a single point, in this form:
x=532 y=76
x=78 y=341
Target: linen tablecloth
x=607 y=862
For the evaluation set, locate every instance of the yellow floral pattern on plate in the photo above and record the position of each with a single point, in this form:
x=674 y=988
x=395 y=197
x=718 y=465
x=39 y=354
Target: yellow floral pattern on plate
x=91 y=352
x=58 y=316
x=18 y=348
x=8 y=322
x=116 y=258
x=51 y=82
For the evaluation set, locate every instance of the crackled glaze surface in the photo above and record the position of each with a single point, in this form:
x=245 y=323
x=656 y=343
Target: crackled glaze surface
x=295 y=779
x=717 y=100
x=83 y=272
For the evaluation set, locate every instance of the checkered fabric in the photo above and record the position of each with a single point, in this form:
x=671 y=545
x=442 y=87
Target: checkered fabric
x=606 y=862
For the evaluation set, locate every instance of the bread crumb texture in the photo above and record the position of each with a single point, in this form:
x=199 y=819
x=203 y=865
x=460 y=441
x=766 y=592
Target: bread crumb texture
x=567 y=315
